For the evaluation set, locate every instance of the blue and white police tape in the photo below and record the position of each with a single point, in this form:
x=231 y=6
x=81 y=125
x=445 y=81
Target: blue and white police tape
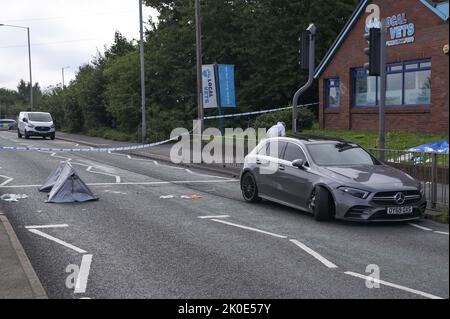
x=215 y=117
x=99 y=150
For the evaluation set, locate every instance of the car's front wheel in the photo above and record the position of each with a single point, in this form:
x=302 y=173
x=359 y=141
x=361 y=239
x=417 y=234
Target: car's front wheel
x=52 y=136
x=18 y=134
x=249 y=188
x=26 y=135
x=322 y=204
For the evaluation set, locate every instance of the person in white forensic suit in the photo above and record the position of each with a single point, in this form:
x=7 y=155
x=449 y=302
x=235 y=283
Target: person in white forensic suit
x=278 y=130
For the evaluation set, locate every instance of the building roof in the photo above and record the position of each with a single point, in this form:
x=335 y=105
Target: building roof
x=440 y=8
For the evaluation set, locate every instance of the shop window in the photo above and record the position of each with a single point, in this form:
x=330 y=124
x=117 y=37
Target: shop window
x=407 y=84
x=333 y=93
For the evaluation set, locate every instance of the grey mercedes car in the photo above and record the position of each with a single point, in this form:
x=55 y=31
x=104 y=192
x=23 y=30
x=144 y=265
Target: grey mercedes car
x=330 y=178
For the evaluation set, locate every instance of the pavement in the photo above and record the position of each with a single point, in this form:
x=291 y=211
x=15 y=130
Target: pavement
x=166 y=231
x=18 y=279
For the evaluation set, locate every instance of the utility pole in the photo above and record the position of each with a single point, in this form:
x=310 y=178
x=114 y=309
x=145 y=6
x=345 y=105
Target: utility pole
x=198 y=29
x=141 y=46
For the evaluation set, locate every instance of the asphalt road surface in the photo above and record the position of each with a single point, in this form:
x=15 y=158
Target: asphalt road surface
x=136 y=243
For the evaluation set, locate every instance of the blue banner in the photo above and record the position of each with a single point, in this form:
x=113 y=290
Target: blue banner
x=226 y=85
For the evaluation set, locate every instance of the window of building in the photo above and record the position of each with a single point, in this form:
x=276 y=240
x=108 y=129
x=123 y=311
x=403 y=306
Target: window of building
x=333 y=94
x=407 y=84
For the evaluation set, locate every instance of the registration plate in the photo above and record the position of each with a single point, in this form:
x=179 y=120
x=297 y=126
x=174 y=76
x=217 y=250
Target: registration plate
x=399 y=210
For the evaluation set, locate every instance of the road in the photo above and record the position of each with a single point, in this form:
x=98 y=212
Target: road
x=136 y=243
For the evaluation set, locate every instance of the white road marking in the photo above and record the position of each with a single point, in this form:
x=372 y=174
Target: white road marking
x=249 y=228
x=137 y=183
x=420 y=227
x=207 y=175
x=46 y=226
x=441 y=232
x=156 y=163
x=213 y=217
x=8 y=180
x=118 y=179
x=59 y=241
x=316 y=255
x=389 y=284
x=80 y=286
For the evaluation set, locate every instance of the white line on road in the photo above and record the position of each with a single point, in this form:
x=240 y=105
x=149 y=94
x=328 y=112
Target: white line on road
x=118 y=179
x=389 y=284
x=138 y=183
x=441 y=232
x=8 y=180
x=47 y=226
x=249 y=228
x=212 y=217
x=80 y=286
x=420 y=227
x=316 y=255
x=56 y=240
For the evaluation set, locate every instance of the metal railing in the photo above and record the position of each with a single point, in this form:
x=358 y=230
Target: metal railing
x=432 y=169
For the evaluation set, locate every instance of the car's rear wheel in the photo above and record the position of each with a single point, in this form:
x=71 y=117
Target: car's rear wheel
x=322 y=204
x=249 y=188
x=18 y=134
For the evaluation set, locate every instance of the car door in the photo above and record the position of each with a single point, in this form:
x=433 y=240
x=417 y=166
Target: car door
x=296 y=182
x=268 y=163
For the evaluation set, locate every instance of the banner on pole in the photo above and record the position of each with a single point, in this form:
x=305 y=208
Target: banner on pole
x=226 y=85
x=209 y=87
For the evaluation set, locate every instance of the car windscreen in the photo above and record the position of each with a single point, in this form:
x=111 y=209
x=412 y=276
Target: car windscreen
x=39 y=117
x=340 y=154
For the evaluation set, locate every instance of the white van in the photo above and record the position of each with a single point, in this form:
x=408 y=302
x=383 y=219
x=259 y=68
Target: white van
x=35 y=124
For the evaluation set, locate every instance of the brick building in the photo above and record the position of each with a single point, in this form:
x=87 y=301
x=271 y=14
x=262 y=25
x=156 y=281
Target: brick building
x=418 y=71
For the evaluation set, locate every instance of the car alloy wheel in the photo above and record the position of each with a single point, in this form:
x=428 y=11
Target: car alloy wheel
x=249 y=188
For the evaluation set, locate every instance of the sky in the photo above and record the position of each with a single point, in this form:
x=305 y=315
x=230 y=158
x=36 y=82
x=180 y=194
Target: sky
x=63 y=33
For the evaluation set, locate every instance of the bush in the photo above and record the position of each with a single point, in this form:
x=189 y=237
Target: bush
x=306 y=116
x=111 y=134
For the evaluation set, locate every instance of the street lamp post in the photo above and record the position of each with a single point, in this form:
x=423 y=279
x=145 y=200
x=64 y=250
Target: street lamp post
x=29 y=59
x=198 y=29
x=62 y=69
x=141 y=47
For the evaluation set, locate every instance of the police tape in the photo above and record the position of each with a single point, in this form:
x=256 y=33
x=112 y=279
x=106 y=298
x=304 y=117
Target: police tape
x=215 y=117
x=92 y=149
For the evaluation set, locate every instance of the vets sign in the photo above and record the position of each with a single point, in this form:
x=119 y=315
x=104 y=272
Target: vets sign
x=218 y=86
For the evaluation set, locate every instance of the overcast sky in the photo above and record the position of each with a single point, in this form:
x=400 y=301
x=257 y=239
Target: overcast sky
x=63 y=33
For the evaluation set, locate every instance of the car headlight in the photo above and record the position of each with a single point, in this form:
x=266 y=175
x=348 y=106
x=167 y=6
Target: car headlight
x=359 y=193
x=30 y=125
x=421 y=189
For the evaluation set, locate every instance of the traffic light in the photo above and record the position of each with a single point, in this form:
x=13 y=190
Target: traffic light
x=373 y=51
x=304 y=40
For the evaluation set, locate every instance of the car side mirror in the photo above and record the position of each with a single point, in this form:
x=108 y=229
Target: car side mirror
x=299 y=163
x=25 y=120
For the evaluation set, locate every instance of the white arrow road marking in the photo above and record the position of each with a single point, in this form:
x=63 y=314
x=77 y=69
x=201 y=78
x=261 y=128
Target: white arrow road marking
x=47 y=226
x=118 y=179
x=249 y=228
x=389 y=284
x=56 y=240
x=316 y=255
x=83 y=274
x=8 y=180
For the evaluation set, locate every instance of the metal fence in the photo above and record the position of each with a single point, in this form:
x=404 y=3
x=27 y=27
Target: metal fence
x=431 y=169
